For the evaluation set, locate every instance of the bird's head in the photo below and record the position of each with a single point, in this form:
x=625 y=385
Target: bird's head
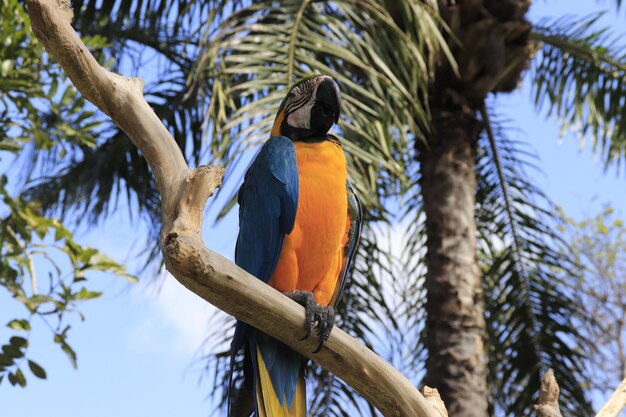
x=310 y=109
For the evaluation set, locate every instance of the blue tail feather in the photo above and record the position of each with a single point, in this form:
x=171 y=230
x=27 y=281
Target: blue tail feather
x=284 y=365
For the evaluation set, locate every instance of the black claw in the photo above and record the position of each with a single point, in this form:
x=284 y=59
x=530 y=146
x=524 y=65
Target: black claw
x=306 y=300
x=324 y=316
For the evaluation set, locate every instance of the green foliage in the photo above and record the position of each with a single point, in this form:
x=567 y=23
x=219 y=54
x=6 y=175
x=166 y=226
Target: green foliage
x=530 y=312
x=257 y=52
x=579 y=78
x=41 y=115
x=166 y=33
x=30 y=244
x=598 y=244
x=37 y=104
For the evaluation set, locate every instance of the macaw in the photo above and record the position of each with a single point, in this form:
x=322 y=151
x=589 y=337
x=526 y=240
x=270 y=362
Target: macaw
x=299 y=229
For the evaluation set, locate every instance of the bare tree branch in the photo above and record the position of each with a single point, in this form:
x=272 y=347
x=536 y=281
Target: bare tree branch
x=184 y=193
x=548 y=397
x=432 y=395
x=616 y=403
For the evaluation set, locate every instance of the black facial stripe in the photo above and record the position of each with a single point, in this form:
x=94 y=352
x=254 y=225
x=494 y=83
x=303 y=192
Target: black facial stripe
x=298 y=103
x=304 y=86
x=304 y=90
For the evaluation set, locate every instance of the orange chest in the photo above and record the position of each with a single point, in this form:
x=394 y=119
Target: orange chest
x=311 y=256
x=322 y=201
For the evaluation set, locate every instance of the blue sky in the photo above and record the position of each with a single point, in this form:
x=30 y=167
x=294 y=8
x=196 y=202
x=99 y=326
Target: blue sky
x=137 y=347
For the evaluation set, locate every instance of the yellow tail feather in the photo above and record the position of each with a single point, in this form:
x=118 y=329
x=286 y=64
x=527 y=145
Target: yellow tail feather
x=268 y=404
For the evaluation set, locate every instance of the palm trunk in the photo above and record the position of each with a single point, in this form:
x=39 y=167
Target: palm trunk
x=493 y=53
x=455 y=326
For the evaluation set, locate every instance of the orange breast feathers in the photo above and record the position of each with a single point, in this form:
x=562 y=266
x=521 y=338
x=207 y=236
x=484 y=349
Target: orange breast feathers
x=311 y=257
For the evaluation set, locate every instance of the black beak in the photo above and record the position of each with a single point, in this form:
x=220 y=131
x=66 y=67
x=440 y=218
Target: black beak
x=328 y=98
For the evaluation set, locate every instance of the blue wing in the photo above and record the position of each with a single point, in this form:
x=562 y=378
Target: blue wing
x=268 y=200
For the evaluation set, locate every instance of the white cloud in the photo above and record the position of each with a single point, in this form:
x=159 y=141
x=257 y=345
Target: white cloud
x=175 y=322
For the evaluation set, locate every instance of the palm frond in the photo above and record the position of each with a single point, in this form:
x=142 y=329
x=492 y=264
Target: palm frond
x=259 y=50
x=579 y=77
x=173 y=16
x=531 y=314
x=411 y=358
x=617 y=4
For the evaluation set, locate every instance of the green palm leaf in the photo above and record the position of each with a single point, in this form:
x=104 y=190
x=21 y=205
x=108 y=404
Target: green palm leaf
x=531 y=316
x=256 y=52
x=153 y=15
x=580 y=80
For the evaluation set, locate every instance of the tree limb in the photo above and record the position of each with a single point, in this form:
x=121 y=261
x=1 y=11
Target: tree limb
x=548 y=397
x=184 y=193
x=616 y=403
x=432 y=396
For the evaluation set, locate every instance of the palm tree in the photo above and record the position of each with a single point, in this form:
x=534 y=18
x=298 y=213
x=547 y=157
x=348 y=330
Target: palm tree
x=416 y=76
x=420 y=80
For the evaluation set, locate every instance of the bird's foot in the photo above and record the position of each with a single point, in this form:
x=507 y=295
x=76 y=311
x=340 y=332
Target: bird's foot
x=324 y=316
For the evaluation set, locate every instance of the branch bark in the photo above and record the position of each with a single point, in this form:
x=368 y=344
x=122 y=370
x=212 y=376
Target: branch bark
x=616 y=403
x=548 y=397
x=432 y=396
x=184 y=193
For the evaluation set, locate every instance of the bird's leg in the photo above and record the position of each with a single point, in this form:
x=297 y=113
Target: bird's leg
x=324 y=316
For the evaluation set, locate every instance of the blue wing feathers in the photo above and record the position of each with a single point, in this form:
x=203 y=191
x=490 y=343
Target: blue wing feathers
x=283 y=365
x=355 y=212
x=268 y=200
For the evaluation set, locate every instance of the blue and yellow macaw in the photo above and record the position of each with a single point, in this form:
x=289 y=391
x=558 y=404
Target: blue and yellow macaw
x=299 y=229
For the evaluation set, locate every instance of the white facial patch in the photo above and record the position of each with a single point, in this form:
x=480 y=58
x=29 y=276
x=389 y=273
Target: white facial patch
x=301 y=117
x=300 y=103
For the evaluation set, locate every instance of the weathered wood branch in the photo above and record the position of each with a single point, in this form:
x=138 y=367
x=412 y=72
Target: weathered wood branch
x=432 y=395
x=616 y=403
x=548 y=397
x=184 y=193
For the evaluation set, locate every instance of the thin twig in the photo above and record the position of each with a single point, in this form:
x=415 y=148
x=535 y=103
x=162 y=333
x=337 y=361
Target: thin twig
x=29 y=259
